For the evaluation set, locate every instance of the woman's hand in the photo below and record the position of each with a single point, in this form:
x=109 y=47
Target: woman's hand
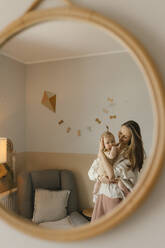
x=104 y=179
x=114 y=180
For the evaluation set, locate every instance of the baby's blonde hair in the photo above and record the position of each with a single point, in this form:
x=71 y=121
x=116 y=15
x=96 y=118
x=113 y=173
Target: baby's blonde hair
x=108 y=134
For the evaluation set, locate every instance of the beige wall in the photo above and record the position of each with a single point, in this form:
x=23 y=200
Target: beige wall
x=145 y=228
x=12 y=102
x=82 y=86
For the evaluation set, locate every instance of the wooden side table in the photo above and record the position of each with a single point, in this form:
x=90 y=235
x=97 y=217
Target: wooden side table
x=8 y=199
x=87 y=213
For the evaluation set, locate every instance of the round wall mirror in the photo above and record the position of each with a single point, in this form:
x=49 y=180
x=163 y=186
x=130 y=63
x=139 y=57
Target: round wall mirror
x=82 y=107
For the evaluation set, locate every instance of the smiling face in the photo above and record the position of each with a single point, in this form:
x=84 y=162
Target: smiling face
x=124 y=135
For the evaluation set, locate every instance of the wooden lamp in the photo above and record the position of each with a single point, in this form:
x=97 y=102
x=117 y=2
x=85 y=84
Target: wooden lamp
x=6 y=175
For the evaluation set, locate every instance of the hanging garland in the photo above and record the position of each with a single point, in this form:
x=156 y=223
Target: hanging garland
x=49 y=101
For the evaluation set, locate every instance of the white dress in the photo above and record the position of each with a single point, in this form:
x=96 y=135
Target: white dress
x=122 y=170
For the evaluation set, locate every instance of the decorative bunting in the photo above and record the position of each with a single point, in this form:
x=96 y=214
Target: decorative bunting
x=68 y=129
x=60 y=122
x=49 y=101
x=112 y=116
x=98 y=121
x=78 y=132
x=110 y=99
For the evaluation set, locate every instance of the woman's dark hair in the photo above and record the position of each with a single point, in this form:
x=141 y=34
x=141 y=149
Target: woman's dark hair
x=136 y=152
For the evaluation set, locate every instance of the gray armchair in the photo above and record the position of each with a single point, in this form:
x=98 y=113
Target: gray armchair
x=52 y=179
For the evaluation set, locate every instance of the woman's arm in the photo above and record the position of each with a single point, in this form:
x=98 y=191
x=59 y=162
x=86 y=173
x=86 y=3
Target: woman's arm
x=123 y=188
x=107 y=166
x=127 y=176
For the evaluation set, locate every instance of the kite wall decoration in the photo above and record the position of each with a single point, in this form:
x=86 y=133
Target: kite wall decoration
x=49 y=100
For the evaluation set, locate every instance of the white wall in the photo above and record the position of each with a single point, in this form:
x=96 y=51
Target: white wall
x=82 y=87
x=145 y=228
x=12 y=102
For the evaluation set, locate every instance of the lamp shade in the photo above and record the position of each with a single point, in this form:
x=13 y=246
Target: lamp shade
x=3 y=150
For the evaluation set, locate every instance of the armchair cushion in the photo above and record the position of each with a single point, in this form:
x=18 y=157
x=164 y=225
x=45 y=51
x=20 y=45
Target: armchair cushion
x=50 y=205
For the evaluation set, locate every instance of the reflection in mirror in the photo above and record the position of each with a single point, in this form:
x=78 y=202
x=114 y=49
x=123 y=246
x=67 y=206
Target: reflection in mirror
x=68 y=93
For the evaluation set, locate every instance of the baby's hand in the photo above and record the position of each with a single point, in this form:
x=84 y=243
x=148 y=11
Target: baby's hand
x=115 y=144
x=113 y=152
x=120 y=146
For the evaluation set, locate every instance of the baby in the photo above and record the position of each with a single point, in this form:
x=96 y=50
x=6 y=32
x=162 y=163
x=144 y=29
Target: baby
x=111 y=152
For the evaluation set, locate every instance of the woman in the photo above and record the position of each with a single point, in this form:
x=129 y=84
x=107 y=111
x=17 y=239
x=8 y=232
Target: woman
x=122 y=175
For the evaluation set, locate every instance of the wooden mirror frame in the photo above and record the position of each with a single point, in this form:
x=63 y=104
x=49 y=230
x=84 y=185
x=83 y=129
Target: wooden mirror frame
x=156 y=89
